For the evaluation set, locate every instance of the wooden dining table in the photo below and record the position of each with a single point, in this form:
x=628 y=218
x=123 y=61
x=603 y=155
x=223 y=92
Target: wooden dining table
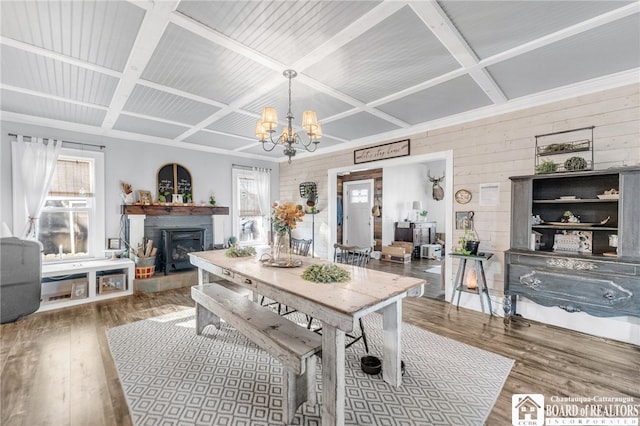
x=338 y=306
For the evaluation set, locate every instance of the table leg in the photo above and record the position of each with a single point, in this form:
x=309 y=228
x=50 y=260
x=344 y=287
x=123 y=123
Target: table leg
x=203 y=276
x=457 y=282
x=333 y=392
x=480 y=282
x=392 y=329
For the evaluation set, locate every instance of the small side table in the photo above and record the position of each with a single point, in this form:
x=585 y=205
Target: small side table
x=458 y=285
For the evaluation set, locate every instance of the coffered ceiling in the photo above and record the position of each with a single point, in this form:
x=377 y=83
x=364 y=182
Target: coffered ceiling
x=196 y=74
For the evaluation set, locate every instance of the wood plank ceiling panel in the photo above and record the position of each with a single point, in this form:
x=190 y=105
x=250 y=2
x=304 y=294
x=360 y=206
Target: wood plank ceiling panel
x=99 y=32
x=56 y=78
x=282 y=30
x=566 y=61
x=156 y=103
x=396 y=54
x=491 y=27
x=195 y=65
x=54 y=109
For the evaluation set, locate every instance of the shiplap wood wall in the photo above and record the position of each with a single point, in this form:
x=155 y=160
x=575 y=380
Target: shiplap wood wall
x=489 y=151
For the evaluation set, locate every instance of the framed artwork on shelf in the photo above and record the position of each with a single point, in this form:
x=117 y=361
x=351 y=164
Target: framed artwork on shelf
x=112 y=283
x=113 y=244
x=79 y=290
x=145 y=197
x=461 y=218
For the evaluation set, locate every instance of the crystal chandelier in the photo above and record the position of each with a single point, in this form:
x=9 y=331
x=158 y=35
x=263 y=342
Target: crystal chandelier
x=266 y=127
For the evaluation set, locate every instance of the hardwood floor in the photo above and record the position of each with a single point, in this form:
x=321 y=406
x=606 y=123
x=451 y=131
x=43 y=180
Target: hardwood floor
x=56 y=368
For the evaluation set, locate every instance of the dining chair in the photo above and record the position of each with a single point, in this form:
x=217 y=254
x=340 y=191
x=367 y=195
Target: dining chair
x=300 y=247
x=356 y=256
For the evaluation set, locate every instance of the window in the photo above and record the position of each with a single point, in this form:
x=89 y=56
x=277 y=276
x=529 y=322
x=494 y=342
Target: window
x=359 y=196
x=249 y=223
x=71 y=223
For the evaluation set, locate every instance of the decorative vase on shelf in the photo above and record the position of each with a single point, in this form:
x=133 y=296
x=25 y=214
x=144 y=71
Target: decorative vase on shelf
x=280 y=250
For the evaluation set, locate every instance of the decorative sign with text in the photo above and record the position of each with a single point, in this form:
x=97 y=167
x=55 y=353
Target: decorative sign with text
x=174 y=179
x=381 y=152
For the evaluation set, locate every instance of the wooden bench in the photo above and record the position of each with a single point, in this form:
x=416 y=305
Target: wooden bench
x=293 y=345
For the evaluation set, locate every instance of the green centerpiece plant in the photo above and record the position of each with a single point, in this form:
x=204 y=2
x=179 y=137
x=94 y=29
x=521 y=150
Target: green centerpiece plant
x=326 y=273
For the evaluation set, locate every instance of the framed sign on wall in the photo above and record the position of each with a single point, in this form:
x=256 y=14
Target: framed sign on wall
x=174 y=179
x=382 y=152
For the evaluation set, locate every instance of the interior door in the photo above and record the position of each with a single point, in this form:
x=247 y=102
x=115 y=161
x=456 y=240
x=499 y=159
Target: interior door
x=357 y=199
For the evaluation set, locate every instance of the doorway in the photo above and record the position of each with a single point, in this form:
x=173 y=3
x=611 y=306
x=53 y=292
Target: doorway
x=332 y=202
x=357 y=198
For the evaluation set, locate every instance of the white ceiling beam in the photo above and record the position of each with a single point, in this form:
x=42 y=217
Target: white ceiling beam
x=51 y=97
x=153 y=25
x=119 y=134
x=441 y=26
x=349 y=33
x=564 y=33
x=58 y=57
x=222 y=40
x=181 y=93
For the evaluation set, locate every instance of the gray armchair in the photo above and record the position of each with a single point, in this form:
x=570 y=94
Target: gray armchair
x=20 y=278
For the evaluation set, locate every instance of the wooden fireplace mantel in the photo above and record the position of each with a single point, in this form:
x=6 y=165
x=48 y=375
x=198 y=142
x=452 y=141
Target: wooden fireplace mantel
x=173 y=210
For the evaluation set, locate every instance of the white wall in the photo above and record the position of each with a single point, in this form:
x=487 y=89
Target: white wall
x=401 y=186
x=436 y=209
x=489 y=151
x=136 y=163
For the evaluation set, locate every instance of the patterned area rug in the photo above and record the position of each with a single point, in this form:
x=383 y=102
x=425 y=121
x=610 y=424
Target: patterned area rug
x=171 y=376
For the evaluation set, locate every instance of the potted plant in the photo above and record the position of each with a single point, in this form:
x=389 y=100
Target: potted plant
x=162 y=197
x=469 y=240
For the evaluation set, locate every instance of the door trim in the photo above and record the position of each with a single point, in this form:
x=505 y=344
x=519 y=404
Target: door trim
x=345 y=185
x=332 y=191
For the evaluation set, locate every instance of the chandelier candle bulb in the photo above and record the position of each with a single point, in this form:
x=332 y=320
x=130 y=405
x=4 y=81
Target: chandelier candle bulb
x=309 y=121
x=261 y=132
x=269 y=118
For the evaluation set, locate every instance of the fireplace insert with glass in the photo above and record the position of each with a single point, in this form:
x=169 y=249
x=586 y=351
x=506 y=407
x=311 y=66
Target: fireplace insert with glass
x=176 y=244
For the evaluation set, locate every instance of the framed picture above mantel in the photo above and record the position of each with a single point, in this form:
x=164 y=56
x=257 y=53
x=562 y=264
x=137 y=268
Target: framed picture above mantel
x=174 y=179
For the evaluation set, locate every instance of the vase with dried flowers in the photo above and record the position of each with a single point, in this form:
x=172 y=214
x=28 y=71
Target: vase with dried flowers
x=284 y=218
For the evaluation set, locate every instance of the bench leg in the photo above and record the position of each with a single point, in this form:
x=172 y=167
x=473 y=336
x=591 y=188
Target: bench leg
x=299 y=389
x=204 y=317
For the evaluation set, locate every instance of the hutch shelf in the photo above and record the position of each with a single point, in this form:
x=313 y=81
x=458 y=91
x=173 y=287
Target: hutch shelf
x=590 y=266
x=565 y=151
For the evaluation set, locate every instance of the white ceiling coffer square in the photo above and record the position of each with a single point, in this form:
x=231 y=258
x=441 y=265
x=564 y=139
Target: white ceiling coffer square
x=359 y=125
x=100 y=32
x=398 y=53
x=566 y=61
x=449 y=98
x=22 y=103
x=156 y=103
x=129 y=123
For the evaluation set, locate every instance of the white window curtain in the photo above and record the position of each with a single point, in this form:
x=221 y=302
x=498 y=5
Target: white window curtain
x=36 y=161
x=263 y=183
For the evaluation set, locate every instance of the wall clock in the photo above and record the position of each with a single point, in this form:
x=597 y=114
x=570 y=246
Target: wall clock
x=463 y=196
